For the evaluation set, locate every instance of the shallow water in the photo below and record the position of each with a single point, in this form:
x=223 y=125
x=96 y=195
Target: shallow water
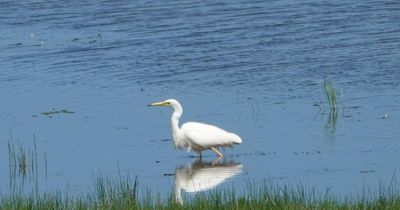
x=250 y=68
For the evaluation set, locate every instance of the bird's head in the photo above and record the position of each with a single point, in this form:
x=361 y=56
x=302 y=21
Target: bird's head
x=168 y=102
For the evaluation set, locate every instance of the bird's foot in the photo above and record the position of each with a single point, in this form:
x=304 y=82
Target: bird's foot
x=216 y=161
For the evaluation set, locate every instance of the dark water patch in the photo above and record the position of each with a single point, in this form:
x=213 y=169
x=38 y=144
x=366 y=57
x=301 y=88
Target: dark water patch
x=54 y=111
x=367 y=171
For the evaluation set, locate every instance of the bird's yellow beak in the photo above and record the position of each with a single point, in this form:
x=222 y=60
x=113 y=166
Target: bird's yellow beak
x=162 y=103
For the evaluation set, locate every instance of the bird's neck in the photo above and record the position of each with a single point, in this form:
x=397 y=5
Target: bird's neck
x=175 y=123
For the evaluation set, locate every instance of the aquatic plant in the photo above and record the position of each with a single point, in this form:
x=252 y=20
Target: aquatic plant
x=330 y=125
x=119 y=194
x=329 y=91
x=123 y=194
x=23 y=167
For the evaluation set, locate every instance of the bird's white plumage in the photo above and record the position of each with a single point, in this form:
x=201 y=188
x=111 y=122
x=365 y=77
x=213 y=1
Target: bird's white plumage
x=206 y=136
x=197 y=136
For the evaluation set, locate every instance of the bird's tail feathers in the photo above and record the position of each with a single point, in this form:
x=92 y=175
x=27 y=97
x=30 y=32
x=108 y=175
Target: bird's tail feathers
x=235 y=138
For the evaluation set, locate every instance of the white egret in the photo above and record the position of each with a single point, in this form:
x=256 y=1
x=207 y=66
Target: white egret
x=196 y=136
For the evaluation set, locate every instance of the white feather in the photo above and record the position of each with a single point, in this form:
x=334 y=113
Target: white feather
x=197 y=136
x=206 y=136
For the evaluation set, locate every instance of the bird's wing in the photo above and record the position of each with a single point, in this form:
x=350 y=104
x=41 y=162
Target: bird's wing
x=207 y=136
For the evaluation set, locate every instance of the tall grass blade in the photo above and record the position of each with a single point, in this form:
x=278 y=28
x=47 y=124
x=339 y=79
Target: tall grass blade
x=330 y=94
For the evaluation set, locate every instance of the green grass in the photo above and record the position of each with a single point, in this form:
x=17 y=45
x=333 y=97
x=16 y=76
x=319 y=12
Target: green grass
x=329 y=92
x=23 y=167
x=332 y=101
x=123 y=194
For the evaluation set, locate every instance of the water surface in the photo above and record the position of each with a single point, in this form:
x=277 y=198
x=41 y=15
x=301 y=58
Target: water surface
x=251 y=68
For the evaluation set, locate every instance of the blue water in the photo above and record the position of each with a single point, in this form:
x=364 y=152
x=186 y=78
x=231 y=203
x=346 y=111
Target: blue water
x=251 y=68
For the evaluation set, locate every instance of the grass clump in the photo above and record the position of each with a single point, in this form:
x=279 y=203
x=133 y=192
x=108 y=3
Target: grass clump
x=123 y=194
x=329 y=92
x=109 y=194
x=23 y=165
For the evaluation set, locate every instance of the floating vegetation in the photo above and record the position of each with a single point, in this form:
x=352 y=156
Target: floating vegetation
x=54 y=111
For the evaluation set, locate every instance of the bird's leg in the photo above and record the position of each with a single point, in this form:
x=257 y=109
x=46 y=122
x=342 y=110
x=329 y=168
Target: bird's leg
x=218 y=152
x=216 y=160
x=200 y=156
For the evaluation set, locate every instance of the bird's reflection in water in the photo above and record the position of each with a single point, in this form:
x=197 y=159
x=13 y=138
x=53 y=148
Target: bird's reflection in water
x=201 y=176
